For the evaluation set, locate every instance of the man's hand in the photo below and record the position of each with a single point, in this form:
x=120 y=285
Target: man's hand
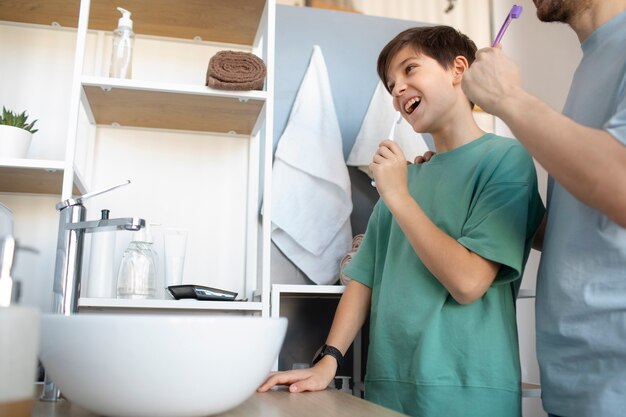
x=490 y=79
x=420 y=159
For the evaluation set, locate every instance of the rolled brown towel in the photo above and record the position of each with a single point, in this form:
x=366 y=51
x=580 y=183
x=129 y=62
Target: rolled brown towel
x=344 y=279
x=356 y=241
x=232 y=70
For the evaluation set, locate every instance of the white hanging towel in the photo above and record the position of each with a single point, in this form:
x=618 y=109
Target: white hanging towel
x=379 y=118
x=311 y=198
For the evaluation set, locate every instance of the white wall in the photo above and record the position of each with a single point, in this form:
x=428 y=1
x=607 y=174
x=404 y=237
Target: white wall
x=547 y=55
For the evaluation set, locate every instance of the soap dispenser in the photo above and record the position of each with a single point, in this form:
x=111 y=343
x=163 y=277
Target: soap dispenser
x=122 y=52
x=138 y=270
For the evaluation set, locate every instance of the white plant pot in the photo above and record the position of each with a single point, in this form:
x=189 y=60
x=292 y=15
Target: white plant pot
x=14 y=142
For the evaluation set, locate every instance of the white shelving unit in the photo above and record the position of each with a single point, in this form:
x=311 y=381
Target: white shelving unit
x=319 y=291
x=529 y=390
x=279 y=290
x=525 y=293
x=166 y=106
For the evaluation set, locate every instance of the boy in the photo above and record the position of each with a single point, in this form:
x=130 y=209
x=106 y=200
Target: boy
x=444 y=251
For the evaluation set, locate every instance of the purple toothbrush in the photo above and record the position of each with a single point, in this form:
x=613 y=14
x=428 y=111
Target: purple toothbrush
x=515 y=12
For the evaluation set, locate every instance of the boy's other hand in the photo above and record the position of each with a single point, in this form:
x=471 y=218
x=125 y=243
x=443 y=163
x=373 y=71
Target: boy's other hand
x=316 y=378
x=420 y=159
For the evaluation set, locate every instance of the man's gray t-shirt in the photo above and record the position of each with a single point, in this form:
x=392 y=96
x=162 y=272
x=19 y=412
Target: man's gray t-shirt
x=581 y=287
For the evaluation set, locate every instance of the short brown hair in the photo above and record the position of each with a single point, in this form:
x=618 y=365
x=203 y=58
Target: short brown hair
x=442 y=43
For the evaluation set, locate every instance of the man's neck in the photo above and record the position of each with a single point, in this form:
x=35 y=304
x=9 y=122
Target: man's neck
x=595 y=16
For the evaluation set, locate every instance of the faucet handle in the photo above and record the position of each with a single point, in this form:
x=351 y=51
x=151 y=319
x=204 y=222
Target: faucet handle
x=102 y=191
x=79 y=200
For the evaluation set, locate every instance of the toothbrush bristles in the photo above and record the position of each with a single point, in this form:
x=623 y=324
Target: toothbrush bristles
x=516 y=11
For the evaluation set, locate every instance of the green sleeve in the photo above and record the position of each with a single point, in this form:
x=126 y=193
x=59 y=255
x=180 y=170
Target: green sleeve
x=502 y=222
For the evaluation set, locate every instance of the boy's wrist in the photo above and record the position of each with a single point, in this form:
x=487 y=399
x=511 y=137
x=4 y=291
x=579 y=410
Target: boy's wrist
x=327 y=366
x=397 y=199
x=331 y=352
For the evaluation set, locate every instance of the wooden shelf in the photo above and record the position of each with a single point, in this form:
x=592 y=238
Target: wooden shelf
x=134 y=103
x=116 y=303
x=232 y=21
x=290 y=289
x=35 y=176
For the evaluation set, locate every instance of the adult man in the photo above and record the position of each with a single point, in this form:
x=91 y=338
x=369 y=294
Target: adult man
x=581 y=289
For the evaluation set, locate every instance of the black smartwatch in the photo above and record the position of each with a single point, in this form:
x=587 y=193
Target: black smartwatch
x=330 y=351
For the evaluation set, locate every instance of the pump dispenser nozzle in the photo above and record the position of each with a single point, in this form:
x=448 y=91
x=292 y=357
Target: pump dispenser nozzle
x=122 y=51
x=125 y=20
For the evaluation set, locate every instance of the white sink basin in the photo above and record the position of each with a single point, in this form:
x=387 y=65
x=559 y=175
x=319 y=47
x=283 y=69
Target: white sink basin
x=152 y=366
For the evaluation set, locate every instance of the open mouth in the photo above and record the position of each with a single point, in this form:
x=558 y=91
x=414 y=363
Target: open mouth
x=411 y=105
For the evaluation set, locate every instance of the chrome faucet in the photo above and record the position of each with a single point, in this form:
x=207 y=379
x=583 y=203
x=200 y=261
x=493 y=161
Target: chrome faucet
x=68 y=265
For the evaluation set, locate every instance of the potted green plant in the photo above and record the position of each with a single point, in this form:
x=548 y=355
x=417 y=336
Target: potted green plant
x=16 y=133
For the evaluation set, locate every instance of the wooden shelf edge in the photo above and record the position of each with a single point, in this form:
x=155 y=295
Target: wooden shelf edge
x=135 y=104
x=153 y=304
x=308 y=289
x=34 y=176
x=175 y=88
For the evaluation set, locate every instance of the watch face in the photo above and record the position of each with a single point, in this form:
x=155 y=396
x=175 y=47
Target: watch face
x=318 y=354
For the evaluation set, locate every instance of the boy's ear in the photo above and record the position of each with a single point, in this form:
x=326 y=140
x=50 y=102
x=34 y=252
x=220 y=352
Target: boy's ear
x=459 y=66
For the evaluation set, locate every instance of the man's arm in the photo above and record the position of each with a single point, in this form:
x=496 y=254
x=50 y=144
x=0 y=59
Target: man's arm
x=589 y=163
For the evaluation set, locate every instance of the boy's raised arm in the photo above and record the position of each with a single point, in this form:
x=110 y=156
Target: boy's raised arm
x=466 y=275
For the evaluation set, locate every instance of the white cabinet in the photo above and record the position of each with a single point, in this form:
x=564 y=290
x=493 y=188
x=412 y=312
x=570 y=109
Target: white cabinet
x=310 y=322
x=230 y=182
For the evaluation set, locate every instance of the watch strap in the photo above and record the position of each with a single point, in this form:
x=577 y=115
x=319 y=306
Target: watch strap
x=330 y=351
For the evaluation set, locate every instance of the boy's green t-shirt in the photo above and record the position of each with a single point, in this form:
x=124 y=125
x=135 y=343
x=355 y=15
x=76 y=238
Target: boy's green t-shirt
x=429 y=355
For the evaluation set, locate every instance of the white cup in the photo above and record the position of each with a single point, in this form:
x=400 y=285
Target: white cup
x=19 y=345
x=175 y=241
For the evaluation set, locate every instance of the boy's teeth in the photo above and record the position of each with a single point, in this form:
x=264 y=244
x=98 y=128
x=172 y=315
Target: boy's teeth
x=410 y=105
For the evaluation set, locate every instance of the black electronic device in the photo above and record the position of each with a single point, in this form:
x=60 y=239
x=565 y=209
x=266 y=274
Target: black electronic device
x=200 y=292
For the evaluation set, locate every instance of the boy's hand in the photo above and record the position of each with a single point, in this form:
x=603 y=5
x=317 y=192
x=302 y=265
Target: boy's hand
x=316 y=378
x=389 y=167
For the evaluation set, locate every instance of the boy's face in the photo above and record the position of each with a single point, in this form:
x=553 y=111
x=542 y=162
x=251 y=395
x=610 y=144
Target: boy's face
x=422 y=90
